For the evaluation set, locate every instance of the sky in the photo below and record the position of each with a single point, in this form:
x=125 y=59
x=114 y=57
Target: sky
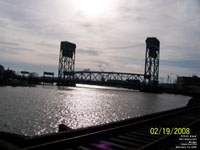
x=109 y=34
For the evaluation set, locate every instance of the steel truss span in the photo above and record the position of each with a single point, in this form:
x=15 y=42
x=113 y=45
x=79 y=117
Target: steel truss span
x=107 y=76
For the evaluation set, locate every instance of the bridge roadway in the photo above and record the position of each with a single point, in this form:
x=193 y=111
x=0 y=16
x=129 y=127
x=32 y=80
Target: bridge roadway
x=102 y=78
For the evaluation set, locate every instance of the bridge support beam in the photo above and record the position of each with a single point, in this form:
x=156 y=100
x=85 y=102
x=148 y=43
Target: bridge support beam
x=66 y=62
x=151 y=72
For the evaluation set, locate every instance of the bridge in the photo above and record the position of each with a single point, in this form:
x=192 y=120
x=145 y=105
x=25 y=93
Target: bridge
x=67 y=75
x=119 y=79
x=97 y=76
x=109 y=78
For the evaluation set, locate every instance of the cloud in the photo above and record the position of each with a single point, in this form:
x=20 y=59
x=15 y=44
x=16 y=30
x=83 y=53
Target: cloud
x=34 y=29
x=14 y=50
x=127 y=60
x=88 y=52
x=8 y=43
x=190 y=64
x=48 y=44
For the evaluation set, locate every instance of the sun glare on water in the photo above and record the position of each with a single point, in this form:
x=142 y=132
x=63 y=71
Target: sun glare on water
x=92 y=8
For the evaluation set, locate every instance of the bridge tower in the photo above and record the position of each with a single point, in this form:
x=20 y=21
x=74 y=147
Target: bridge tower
x=151 y=72
x=66 y=61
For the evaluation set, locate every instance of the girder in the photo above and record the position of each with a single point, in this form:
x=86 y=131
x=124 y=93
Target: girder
x=106 y=76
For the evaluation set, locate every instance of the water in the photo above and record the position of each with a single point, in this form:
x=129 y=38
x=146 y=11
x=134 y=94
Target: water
x=39 y=110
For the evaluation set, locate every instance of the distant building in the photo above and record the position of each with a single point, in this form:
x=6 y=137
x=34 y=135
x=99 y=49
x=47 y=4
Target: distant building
x=185 y=82
x=1 y=73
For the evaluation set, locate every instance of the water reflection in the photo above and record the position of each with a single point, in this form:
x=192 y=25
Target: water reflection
x=39 y=110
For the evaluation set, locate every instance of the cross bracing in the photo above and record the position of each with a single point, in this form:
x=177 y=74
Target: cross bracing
x=106 y=76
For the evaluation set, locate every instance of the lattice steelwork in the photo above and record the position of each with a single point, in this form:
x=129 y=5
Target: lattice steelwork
x=151 y=73
x=106 y=76
x=66 y=61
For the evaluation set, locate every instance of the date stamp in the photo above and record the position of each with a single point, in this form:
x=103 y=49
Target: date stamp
x=169 y=131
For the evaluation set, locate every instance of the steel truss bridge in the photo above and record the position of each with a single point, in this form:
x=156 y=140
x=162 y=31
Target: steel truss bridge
x=97 y=76
x=67 y=65
x=67 y=75
x=119 y=79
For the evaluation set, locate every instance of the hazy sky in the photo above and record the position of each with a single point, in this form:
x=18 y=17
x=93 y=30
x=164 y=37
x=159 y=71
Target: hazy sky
x=110 y=34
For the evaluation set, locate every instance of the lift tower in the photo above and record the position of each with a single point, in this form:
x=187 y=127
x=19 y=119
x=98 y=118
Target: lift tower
x=66 y=61
x=151 y=72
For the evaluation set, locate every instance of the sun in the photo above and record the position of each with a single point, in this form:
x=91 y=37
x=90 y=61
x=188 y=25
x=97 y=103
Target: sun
x=93 y=8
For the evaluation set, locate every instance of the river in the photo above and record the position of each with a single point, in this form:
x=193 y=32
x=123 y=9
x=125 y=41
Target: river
x=39 y=110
